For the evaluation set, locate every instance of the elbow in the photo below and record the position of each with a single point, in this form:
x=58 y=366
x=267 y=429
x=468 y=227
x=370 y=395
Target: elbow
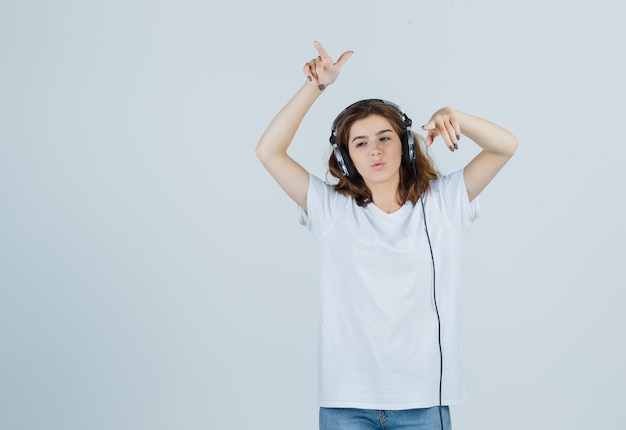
x=265 y=154
x=512 y=147
x=508 y=145
x=260 y=152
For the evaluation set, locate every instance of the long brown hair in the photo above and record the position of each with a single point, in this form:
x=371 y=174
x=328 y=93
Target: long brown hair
x=408 y=189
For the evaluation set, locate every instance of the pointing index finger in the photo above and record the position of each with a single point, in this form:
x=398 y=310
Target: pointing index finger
x=321 y=50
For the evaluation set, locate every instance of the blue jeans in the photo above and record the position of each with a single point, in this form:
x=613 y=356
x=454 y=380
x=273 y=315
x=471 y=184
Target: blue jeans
x=372 y=419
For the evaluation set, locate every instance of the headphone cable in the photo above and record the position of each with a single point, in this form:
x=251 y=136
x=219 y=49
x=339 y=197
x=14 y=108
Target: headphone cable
x=432 y=258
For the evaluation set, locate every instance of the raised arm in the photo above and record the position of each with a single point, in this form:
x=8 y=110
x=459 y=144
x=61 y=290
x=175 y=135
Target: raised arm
x=498 y=145
x=272 y=147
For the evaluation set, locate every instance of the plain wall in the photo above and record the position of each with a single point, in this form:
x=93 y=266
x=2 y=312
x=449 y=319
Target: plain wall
x=153 y=276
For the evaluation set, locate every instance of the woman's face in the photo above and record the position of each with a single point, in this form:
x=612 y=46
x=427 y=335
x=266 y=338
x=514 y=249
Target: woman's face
x=376 y=150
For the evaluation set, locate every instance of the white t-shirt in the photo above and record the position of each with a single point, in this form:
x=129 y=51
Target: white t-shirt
x=378 y=346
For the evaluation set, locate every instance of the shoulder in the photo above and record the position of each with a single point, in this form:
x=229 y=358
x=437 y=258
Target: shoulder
x=450 y=182
x=324 y=193
x=320 y=189
x=448 y=194
x=323 y=202
x=451 y=185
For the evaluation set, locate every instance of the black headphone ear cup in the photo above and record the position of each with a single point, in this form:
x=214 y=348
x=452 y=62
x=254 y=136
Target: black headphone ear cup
x=408 y=147
x=343 y=161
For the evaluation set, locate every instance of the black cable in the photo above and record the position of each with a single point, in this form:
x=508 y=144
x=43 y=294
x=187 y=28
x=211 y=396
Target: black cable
x=432 y=257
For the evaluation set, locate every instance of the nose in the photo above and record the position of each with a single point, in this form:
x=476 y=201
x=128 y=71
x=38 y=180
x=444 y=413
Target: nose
x=374 y=149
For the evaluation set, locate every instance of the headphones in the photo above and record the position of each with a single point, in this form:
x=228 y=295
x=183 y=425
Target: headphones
x=342 y=157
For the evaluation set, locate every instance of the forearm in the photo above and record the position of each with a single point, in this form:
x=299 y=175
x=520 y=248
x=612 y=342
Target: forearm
x=489 y=136
x=280 y=132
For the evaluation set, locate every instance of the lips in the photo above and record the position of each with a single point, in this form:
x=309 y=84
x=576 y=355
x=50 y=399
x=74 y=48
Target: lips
x=378 y=165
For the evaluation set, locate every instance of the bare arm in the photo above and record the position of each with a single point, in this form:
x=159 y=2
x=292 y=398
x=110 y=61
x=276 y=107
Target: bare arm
x=498 y=145
x=272 y=147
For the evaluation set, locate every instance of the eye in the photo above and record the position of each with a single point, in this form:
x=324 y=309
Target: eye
x=360 y=144
x=385 y=138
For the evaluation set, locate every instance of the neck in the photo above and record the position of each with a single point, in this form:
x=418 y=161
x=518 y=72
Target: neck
x=385 y=196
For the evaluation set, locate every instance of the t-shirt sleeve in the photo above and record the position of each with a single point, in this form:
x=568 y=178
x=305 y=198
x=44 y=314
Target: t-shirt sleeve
x=454 y=200
x=322 y=202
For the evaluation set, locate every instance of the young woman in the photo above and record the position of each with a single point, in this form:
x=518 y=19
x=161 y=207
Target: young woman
x=389 y=236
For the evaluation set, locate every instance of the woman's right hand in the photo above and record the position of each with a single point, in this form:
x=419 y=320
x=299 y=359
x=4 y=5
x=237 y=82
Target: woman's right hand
x=322 y=71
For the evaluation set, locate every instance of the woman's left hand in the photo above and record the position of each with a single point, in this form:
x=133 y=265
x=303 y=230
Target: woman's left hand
x=443 y=123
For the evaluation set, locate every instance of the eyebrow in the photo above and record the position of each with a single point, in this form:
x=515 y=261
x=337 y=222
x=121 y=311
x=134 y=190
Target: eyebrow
x=377 y=134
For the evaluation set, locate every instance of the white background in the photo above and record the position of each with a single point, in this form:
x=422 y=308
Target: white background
x=153 y=276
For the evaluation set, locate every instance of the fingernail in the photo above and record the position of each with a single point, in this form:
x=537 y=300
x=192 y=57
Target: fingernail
x=321 y=87
x=309 y=78
x=456 y=146
x=451 y=148
x=458 y=136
